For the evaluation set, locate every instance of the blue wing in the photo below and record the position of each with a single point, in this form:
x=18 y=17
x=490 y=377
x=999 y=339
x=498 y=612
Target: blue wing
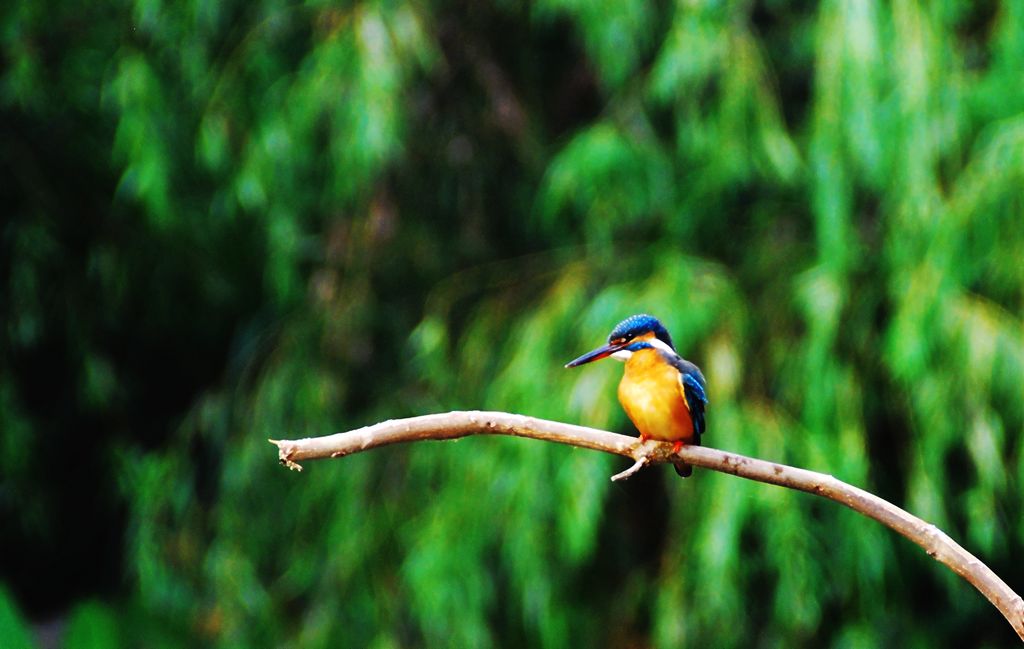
x=695 y=393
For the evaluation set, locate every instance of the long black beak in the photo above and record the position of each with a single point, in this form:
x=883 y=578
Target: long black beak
x=596 y=355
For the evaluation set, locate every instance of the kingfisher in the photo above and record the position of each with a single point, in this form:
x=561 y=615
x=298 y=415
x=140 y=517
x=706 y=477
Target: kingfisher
x=663 y=394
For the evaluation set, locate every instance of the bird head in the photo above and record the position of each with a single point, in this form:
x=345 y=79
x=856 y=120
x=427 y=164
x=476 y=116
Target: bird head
x=632 y=334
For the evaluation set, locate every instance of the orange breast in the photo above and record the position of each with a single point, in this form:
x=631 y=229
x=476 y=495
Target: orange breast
x=652 y=397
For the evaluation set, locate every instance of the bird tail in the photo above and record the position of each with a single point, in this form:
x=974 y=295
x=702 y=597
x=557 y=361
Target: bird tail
x=682 y=468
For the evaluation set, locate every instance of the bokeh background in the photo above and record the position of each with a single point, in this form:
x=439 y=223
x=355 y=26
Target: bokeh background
x=232 y=221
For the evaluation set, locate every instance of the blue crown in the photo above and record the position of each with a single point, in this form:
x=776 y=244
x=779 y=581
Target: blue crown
x=636 y=325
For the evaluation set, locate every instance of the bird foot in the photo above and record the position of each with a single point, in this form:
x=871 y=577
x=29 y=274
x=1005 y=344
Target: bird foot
x=683 y=469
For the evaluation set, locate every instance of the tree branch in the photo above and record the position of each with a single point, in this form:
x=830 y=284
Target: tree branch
x=453 y=425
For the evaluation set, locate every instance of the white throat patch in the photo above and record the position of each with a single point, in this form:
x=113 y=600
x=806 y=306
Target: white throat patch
x=658 y=343
x=622 y=355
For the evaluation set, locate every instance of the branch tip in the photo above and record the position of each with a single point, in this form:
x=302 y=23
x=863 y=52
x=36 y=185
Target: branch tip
x=291 y=464
x=639 y=464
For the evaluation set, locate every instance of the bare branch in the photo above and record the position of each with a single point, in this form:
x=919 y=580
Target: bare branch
x=453 y=425
x=640 y=463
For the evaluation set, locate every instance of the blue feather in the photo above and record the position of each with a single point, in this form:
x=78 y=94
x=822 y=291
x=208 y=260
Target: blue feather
x=642 y=323
x=692 y=382
x=695 y=393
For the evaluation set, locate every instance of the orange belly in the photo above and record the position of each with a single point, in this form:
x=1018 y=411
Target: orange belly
x=652 y=398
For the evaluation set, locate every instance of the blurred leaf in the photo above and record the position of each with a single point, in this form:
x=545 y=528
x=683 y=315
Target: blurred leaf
x=609 y=179
x=616 y=32
x=14 y=628
x=92 y=625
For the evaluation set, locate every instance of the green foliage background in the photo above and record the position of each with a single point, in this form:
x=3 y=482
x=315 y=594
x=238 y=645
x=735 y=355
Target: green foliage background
x=228 y=221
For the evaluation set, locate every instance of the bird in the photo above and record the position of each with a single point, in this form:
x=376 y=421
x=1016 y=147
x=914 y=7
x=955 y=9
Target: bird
x=664 y=395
